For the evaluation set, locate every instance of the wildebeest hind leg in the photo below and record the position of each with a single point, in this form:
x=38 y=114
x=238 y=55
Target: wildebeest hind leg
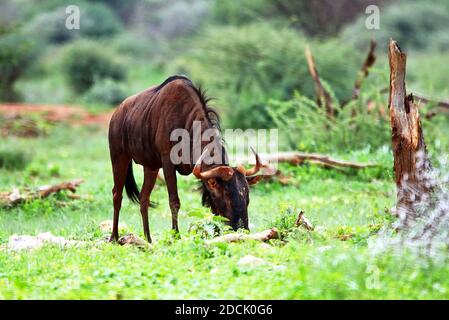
x=148 y=185
x=172 y=188
x=119 y=169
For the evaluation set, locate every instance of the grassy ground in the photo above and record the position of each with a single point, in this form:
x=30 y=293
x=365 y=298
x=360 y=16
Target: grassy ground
x=319 y=264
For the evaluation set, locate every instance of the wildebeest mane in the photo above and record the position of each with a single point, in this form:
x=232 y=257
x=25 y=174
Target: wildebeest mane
x=210 y=112
x=206 y=198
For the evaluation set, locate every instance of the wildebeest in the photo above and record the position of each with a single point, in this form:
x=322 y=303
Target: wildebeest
x=140 y=131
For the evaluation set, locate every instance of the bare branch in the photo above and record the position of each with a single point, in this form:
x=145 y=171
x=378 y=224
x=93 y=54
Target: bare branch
x=237 y=237
x=364 y=71
x=16 y=196
x=323 y=97
x=298 y=158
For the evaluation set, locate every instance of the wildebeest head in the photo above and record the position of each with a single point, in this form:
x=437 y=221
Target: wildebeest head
x=226 y=190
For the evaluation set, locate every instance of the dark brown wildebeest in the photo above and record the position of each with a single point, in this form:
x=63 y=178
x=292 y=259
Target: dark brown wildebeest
x=140 y=130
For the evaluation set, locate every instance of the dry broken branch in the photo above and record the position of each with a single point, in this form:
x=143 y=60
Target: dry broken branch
x=237 y=237
x=364 y=71
x=323 y=97
x=442 y=106
x=303 y=221
x=409 y=149
x=436 y=111
x=45 y=191
x=422 y=99
x=298 y=158
x=16 y=196
x=133 y=240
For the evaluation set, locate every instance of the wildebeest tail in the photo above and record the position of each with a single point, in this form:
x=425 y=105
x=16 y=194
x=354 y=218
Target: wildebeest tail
x=130 y=185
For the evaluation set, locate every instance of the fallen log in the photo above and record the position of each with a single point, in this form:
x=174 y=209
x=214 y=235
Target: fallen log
x=45 y=191
x=323 y=97
x=298 y=158
x=16 y=196
x=237 y=237
x=411 y=162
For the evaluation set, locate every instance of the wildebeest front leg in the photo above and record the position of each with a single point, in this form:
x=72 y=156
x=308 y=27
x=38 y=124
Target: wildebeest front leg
x=172 y=188
x=148 y=185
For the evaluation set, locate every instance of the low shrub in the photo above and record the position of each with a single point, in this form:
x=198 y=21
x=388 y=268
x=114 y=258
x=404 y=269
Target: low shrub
x=86 y=62
x=51 y=26
x=17 y=53
x=248 y=65
x=12 y=159
x=306 y=126
x=106 y=91
x=98 y=20
x=415 y=25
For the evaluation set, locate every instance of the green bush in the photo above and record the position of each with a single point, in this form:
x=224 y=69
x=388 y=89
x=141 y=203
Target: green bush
x=51 y=26
x=86 y=62
x=17 y=52
x=98 y=20
x=425 y=74
x=415 y=25
x=306 y=126
x=131 y=46
x=240 y=12
x=106 y=91
x=318 y=17
x=13 y=159
x=246 y=66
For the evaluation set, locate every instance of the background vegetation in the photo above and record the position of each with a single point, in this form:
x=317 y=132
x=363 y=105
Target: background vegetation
x=249 y=55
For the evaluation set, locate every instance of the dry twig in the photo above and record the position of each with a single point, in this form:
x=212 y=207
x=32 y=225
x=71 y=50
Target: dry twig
x=237 y=237
x=16 y=196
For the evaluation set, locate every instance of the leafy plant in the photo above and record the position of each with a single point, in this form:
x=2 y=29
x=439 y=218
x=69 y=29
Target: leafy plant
x=106 y=91
x=86 y=62
x=99 y=21
x=207 y=225
x=248 y=65
x=414 y=24
x=17 y=52
x=306 y=125
x=12 y=159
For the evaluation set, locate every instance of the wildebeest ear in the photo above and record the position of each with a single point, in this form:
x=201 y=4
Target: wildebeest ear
x=254 y=179
x=212 y=183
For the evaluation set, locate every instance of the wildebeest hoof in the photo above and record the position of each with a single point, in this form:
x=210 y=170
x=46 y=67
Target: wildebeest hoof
x=112 y=238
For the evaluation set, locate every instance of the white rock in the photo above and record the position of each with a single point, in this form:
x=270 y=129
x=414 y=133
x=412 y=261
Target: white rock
x=250 y=260
x=17 y=242
x=27 y=242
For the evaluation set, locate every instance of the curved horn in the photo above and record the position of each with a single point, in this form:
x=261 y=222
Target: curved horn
x=257 y=167
x=224 y=172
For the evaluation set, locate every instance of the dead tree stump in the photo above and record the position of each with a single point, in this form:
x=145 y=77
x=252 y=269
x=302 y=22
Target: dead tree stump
x=412 y=166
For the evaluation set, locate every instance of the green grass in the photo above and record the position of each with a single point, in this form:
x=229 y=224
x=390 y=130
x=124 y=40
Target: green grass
x=305 y=265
